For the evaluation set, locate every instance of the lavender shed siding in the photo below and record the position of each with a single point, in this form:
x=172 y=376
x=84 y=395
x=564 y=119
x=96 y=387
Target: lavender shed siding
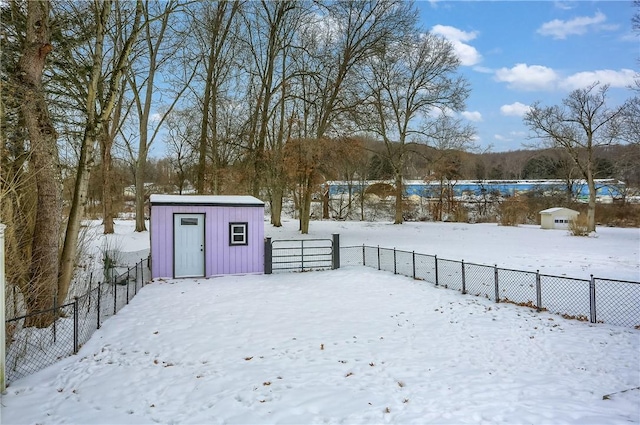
x=221 y=258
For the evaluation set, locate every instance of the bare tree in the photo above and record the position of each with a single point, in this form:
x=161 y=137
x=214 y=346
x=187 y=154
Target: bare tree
x=582 y=123
x=269 y=33
x=98 y=115
x=181 y=149
x=405 y=83
x=342 y=37
x=158 y=46
x=215 y=28
x=631 y=118
x=337 y=39
x=305 y=160
x=44 y=160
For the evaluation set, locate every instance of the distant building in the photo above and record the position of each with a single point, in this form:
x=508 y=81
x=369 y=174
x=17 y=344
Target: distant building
x=606 y=189
x=557 y=218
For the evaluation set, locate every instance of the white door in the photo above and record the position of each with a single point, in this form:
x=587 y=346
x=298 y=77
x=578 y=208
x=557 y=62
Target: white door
x=188 y=245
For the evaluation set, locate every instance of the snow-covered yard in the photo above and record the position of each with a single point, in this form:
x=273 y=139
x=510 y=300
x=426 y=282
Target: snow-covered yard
x=354 y=345
x=347 y=346
x=612 y=253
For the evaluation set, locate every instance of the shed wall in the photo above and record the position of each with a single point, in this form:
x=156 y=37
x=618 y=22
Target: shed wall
x=546 y=221
x=220 y=257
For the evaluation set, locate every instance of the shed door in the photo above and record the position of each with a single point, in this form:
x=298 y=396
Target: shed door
x=188 y=245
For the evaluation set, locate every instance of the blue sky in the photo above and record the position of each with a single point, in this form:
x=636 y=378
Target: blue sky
x=517 y=52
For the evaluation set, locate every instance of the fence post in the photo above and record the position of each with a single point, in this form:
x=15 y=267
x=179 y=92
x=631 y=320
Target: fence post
x=464 y=281
x=56 y=311
x=302 y=254
x=395 y=267
x=3 y=383
x=364 y=261
x=149 y=264
x=115 y=296
x=75 y=325
x=413 y=261
x=335 y=263
x=592 y=300
x=135 y=287
x=142 y=271
x=495 y=275
x=538 y=292
x=435 y=260
x=268 y=264
x=98 y=303
x=128 y=285
x=378 y=257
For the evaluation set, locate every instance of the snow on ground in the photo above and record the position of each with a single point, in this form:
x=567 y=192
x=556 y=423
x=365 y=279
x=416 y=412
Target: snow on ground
x=612 y=253
x=347 y=346
x=353 y=345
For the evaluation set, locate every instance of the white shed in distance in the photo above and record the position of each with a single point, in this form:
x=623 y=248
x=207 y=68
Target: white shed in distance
x=557 y=218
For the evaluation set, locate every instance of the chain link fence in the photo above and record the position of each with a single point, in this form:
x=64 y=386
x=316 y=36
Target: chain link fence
x=594 y=300
x=31 y=348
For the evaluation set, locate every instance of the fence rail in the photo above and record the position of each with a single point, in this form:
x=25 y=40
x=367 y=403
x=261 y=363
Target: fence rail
x=596 y=300
x=30 y=349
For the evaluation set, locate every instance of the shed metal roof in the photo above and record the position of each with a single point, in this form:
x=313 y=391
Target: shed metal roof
x=556 y=209
x=206 y=200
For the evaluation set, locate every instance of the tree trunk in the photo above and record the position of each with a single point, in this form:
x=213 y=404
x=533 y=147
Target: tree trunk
x=204 y=127
x=305 y=208
x=44 y=159
x=591 y=210
x=276 y=207
x=78 y=204
x=107 y=184
x=399 y=192
x=325 y=202
x=140 y=192
x=106 y=144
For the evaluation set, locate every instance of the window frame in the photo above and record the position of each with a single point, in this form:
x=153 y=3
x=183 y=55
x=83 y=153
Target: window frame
x=244 y=232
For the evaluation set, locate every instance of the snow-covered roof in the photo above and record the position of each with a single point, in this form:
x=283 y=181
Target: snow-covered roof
x=211 y=200
x=556 y=209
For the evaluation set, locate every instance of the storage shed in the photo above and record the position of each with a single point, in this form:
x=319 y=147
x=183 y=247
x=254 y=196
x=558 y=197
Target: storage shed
x=557 y=218
x=197 y=236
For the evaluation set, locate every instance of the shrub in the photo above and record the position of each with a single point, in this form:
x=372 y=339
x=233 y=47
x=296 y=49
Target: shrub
x=578 y=227
x=513 y=211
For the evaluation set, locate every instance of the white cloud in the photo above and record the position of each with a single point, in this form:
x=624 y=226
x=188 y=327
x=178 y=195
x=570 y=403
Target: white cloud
x=525 y=77
x=483 y=70
x=619 y=79
x=467 y=54
x=513 y=135
x=474 y=116
x=537 y=77
x=516 y=109
x=560 y=29
x=563 y=5
x=631 y=37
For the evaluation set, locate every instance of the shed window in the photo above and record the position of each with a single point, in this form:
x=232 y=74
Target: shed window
x=238 y=233
x=189 y=221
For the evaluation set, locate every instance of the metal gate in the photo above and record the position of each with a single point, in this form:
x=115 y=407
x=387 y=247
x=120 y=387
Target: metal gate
x=302 y=254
